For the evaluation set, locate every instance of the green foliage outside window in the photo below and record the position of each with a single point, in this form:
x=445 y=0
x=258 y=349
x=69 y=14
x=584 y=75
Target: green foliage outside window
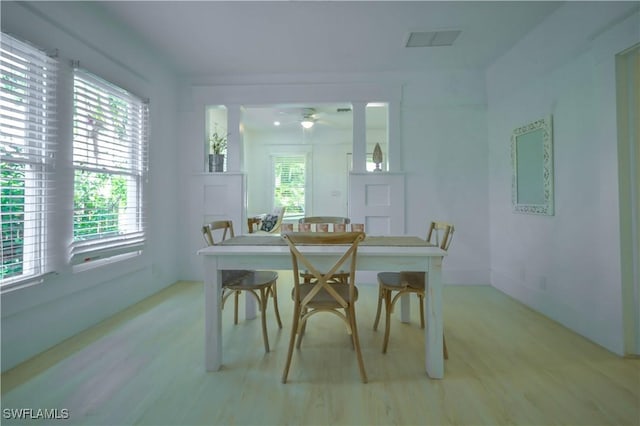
x=290 y=184
x=12 y=198
x=12 y=202
x=97 y=200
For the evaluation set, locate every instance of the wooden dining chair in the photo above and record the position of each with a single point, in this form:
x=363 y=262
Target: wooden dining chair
x=325 y=219
x=323 y=294
x=439 y=234
x=341 y=276
x=260 y=284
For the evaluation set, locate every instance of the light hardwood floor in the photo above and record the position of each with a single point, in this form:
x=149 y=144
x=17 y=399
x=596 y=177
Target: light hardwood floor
x=507 y=365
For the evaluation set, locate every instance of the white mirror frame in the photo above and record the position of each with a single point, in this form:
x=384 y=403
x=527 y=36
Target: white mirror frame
x=539 y=168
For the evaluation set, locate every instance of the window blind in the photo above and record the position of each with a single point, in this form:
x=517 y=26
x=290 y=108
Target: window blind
x=27 y=148
x=290 y=183
x=110 y=139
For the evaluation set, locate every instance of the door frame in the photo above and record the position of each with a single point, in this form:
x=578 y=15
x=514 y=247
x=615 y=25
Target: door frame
x=628 y=109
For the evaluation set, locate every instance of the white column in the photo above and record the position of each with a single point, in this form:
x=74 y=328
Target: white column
x=234 y=141
x=393 y=137
x=198 y=119
x=359 y=157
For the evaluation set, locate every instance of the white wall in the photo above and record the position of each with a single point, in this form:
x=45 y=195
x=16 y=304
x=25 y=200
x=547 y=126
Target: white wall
x=327 y=149
x=444 y=149
x=566 y=266
x=40 y=316
x=445 y=159
x=442 y=136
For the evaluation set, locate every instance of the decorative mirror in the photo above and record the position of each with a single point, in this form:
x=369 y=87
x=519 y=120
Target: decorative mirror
x=532 y=159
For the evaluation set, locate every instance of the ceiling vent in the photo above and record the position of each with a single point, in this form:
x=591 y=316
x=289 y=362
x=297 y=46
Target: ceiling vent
x=432 y=38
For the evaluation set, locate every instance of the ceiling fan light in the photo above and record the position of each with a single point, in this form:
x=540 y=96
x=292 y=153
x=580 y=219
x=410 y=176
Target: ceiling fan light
x=307 y=124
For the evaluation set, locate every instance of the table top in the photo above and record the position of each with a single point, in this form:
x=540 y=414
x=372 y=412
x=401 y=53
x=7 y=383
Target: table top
x=372 y=244
x=277 y=240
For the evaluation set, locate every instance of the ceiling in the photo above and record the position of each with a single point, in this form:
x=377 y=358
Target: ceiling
x=330 y=116
x=265 y=37
x=242 y=39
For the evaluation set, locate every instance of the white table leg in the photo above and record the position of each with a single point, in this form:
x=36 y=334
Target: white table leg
x=212 y=314
x=249 y=306
x=405 y=308
x=434 y=362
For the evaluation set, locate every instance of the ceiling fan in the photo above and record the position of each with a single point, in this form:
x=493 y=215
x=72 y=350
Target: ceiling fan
x=308 y=117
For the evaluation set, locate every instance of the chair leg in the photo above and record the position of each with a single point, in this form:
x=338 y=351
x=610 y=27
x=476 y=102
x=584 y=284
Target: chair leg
x=349 y=329
x=294 y=330
x=263 y=299
x=274 y=295
x=421 y=301
x=356 y=342
x=380 y=297
x=387 y=320
x=303 y=328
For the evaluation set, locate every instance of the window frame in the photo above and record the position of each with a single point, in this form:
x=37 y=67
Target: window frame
x=307 y=181
x=29 y=139
x=101 y=246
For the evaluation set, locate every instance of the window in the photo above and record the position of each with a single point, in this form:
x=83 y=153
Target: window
x=27 y=147
x=289 y=184
x=110 y=138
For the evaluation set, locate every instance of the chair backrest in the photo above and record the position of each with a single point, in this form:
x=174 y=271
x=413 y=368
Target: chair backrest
x=325 y=219
x=349 y=240
x=440 y=234
x=208 y=230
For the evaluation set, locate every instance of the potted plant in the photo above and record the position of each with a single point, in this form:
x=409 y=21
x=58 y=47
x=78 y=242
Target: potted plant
x=217 y=148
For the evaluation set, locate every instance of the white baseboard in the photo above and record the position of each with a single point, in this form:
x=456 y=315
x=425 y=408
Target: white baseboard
x=545 y=302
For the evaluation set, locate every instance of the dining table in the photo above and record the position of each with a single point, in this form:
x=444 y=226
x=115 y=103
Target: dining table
x=375 y=253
